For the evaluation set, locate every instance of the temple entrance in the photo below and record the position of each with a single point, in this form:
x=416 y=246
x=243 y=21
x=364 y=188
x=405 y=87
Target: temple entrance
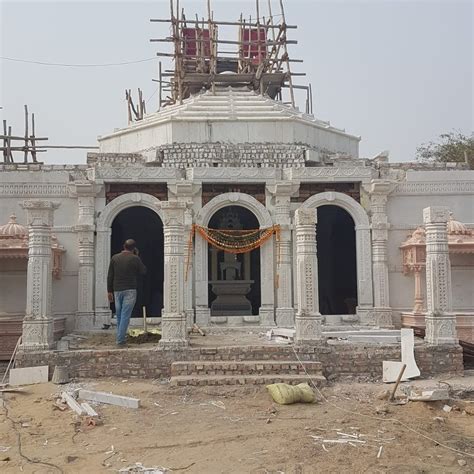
x=337 y=262
x=145 y=227
x=234 y=280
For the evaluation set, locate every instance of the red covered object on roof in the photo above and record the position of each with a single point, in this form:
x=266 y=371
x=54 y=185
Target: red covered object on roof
x=254 y=44
x=194 y=37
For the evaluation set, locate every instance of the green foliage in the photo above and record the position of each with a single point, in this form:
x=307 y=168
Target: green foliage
x=452 y=147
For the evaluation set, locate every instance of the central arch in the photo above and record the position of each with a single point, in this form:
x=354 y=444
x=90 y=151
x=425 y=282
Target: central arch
x=104 y=223
x=266 y=312
x=363 y=246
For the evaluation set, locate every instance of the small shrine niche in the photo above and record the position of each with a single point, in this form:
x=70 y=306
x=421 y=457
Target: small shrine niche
x=14 y=245
x=460 y=244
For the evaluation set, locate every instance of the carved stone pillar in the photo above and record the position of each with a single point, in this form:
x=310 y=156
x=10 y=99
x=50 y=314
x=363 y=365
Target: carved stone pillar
x=308 y=319
x=185 y=192
x=173 y=321
x=102 y=256
x=440 y=322
x=418 y=306
x=379 y=191
x=282 y=192
x=285 y=313
x=38 y=324
x=85 y=192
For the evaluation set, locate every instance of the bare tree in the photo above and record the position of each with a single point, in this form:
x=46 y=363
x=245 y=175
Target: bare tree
x=450 y=147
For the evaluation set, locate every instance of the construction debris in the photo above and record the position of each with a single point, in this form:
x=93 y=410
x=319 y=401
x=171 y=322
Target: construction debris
x=429 y=395
x=72 y=404
x=139 y=467
x=281 y=335
x=88 y=409
x=109 y=398
x=391 y=369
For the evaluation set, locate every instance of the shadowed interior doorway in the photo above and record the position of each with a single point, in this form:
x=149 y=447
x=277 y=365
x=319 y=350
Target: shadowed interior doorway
x=145 y=227
x=337 y=262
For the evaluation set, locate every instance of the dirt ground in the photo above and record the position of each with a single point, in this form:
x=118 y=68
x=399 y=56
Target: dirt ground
x=234 y=430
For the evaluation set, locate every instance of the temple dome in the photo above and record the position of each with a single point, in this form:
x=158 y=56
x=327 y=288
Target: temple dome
x=457 y=228
x=12 y=229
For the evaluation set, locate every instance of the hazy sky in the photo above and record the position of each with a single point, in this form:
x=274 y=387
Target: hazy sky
x=398 y=73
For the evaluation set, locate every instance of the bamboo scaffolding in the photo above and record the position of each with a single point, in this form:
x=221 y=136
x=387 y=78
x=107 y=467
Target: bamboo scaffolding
x=260 y=60
x=29 y=146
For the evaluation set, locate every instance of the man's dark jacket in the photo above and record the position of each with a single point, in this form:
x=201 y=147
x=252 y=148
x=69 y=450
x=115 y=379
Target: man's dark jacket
x=124 y=269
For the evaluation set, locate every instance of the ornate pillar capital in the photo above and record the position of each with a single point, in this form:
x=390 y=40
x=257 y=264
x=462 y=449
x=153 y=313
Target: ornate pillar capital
x=39 y=212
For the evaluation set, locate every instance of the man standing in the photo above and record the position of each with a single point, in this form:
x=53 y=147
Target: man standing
x=124 y=269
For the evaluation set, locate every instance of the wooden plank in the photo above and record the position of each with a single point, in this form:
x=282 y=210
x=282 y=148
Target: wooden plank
x=109 y=398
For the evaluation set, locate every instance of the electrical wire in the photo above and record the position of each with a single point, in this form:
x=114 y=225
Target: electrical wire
x=44 y=63
x=365 y=415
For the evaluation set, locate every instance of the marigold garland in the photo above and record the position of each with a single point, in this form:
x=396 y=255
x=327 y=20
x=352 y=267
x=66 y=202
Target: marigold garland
x=233 y=241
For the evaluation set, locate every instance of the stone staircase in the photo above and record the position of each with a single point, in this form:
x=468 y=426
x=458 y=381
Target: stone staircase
x=242 y=372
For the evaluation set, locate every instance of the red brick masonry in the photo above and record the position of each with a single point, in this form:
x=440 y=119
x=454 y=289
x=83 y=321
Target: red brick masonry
x=338 y=360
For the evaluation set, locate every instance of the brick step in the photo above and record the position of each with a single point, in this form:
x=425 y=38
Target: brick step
x=245 y=367
x=205 y=380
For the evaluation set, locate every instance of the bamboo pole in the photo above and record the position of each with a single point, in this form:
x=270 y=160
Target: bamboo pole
x=25 y=158
x=32 y=138
x=160 y=86
x=290 y=81
x=224 y=23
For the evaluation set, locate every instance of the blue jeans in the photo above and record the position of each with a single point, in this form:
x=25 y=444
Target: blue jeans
x=124 y=303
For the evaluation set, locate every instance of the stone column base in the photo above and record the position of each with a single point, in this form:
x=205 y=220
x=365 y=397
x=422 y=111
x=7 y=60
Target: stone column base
x=267 y=315
x=285 y=317
x=308 y=329
x=189 y=317
x=203 y=316
x=383 y=317
x=102 y=316
x=173 y=331
x=366 y=315
x=84 y=321
x=441 y=329
x=38 y=335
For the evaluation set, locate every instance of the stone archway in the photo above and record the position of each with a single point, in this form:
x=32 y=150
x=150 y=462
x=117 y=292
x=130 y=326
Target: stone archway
x=267 y=308
x=363 y=247
x=102 y=248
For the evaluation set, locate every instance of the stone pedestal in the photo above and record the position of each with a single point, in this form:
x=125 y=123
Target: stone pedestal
x=38 y=323
x=308 y=319
x=231 y=298
x=173 y=320
x=378 y=199
x=440 y=322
